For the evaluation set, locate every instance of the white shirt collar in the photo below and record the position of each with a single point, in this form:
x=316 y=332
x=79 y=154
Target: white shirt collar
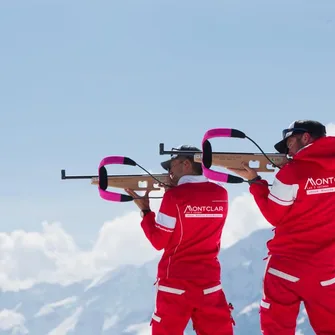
x=192 y=179
x=306 y=146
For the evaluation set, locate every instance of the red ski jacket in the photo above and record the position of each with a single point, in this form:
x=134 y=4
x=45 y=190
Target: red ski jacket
x=188 y=227
x=301 y=205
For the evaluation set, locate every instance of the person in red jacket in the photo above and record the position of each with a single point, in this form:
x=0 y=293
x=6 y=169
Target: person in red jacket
x=301 y=206
x=188 y=226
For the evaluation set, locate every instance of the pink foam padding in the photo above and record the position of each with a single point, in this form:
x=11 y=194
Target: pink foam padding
x=215 y=175
x=210 y=174
x=217 y=132
x=111 y=196
x=111 y=160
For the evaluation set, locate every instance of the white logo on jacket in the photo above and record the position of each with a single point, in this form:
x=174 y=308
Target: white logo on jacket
x=203 y=211
x=320 y=185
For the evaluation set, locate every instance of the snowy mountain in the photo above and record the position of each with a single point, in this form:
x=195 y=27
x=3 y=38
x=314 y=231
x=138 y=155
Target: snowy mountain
x=122 y=301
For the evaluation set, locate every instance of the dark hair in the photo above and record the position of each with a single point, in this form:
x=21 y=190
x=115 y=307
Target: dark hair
x=316 y=136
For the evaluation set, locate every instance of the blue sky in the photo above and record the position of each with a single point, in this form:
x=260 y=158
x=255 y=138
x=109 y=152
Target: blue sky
x=81 y=80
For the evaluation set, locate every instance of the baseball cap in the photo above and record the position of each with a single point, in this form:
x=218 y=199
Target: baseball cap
x=166 y=164
x=315 y=128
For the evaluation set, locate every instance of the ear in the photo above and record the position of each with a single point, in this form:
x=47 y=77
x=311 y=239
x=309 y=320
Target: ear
x=307 y=138
x=188 y=164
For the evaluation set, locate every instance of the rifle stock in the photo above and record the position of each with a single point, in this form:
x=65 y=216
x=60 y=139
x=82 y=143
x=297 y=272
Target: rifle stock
x=226 y=160
x=143 y=182
x=234 y=160
x=135 y=182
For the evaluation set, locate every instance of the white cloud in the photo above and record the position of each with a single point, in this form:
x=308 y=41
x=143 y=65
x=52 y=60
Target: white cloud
x=244 y=217
x=110 y=322
x=68 y=324
x=250 y=308
x=50 y=308
x=140 y=329
x=330 y=129
x=52 y=255
x=12 y=320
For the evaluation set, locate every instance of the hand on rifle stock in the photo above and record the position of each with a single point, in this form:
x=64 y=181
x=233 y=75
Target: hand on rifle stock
x=165 y=186
x=245 y=171
x=285 y=161
x=142 y=202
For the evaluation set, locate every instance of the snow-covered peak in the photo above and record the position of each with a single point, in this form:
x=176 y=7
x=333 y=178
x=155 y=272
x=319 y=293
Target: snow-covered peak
x=122 y=300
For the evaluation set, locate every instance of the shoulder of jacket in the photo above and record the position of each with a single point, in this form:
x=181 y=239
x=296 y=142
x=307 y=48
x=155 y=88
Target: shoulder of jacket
x=289 y=172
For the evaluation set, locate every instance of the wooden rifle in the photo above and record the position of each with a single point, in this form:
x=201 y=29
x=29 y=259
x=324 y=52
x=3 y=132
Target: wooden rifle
x=265 y=162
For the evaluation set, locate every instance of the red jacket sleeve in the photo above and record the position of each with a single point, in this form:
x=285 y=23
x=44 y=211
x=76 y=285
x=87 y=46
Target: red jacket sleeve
x=276 y=202
x=159 y=228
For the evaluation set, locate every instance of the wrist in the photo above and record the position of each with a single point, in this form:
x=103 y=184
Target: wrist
x=250 y=181
x=145 y=211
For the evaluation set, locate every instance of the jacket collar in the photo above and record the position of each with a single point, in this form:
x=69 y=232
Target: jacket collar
x=192 y=179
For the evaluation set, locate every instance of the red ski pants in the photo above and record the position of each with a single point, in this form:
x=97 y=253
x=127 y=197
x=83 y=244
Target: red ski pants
x=178 y=301
x=285 y=286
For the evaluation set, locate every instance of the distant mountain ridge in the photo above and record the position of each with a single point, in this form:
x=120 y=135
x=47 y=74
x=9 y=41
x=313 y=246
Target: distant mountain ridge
x=122 y=301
